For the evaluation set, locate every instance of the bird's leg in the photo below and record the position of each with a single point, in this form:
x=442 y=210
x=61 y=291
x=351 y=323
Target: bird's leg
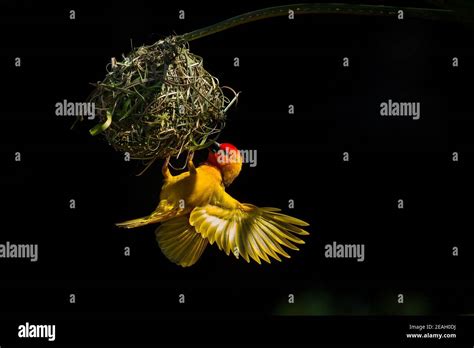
x=191 y=167
x=165 y=170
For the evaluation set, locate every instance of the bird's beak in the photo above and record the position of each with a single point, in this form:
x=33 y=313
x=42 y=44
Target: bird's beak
x=215 y=146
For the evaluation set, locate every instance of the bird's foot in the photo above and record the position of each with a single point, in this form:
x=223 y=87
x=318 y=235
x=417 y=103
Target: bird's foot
x=165 y=170
x=191 y=166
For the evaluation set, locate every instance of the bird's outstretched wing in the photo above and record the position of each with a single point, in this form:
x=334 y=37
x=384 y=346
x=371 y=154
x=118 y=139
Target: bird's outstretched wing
x=247 y=230
x=179 y=241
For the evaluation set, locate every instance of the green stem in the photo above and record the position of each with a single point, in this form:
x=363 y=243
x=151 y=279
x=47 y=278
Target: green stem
x=361 y=10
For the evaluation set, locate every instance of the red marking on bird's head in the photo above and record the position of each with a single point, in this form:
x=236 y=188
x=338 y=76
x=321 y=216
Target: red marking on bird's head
x=227 y=158
x=223 y=154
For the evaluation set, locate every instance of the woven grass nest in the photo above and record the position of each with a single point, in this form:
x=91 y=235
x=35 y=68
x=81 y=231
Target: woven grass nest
x=160 y=101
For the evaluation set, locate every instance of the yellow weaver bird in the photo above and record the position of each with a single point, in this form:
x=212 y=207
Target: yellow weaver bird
x=195 y=210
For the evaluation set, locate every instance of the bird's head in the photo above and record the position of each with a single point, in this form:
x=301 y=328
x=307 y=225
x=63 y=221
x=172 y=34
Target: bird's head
x=227 y=159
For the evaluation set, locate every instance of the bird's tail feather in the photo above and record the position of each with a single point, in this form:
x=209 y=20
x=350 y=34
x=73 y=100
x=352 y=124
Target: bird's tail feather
x=180 y=242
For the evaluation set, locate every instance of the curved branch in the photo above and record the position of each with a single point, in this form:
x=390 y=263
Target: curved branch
x=316 y=8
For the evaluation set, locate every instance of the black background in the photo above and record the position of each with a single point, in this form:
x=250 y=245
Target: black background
x=282 y=62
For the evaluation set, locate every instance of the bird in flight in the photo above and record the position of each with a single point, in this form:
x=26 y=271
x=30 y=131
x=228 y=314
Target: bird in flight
x=195 y=210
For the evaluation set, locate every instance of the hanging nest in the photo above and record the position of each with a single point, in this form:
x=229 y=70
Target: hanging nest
x=160 y=101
